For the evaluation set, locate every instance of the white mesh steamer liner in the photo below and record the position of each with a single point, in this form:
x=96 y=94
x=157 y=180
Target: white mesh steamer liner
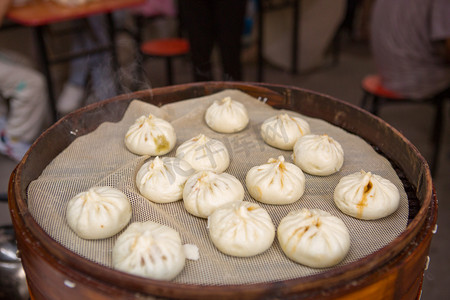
x=100 y=158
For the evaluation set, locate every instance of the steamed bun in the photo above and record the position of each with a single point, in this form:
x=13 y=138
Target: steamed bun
x=162 y=180
x=205 y=191
x=226 y=116
x=150 y=135
x=204 y=153
x=282 y=131
x=276 y=182
x=98 y=213
x=149 y=250
x=313 y=238
x=241 y=229
x=318 y=155
x=366 y=196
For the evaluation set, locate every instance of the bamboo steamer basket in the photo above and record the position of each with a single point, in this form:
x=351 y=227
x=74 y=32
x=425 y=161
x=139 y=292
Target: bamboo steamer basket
x=393 y=272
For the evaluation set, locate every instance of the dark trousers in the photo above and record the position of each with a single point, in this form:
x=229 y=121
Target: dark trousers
x=214 y=22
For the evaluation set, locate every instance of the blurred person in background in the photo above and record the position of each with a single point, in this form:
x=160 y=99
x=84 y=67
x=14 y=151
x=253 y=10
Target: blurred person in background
x=214 y=22
x=24 y=101
x=411 y=46
x=94 y=69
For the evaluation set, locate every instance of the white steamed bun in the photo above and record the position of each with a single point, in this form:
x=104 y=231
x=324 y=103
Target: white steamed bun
x=149 y=250
x=241 y=229
x=276 y=182
x=150 y=136
x=162 y=180
x=205 y=191
x=204 y=153
x=318 y=155
x=282 y=131
x=366 y=196
x=98 y=213
x=313 y=238
x=226 y=116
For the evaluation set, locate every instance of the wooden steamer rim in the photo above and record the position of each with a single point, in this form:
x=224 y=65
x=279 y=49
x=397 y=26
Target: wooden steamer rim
x=394 y=271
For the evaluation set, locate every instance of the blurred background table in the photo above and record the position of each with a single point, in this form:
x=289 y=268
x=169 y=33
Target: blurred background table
x=39 y=14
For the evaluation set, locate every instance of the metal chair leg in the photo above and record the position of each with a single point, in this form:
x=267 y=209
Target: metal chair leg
x=169 y=71
x=437 y=134
x=366 y=97
x=375 y=105
x=139 y=65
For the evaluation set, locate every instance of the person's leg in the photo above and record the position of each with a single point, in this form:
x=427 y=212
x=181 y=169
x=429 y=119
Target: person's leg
x=229 y=18
x=100 y=64
x=73 y=92
x=28 y=108
x=197 y=19
x=79 y=67
x=96 y=67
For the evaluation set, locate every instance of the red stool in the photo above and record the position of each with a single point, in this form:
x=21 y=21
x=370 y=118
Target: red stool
x=167 y=49
x=375 y=93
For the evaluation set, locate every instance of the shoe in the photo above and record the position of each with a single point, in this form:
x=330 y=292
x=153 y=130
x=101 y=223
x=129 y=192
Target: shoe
x=70 y=99
x=11 y=148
